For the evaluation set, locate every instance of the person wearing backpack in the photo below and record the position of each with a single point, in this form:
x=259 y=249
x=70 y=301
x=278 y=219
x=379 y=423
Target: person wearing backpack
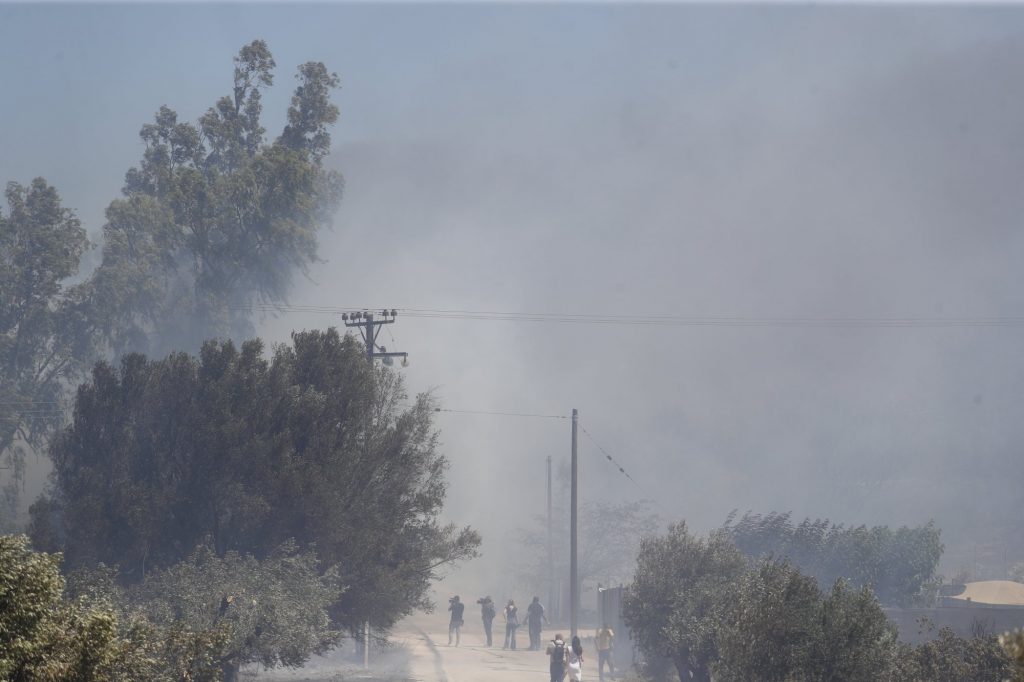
x=487 y=613
x=559 y=656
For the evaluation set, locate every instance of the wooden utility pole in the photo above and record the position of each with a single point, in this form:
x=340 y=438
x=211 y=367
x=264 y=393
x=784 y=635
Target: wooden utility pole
x=551 y=551
x=574 y=582
x=368 y=324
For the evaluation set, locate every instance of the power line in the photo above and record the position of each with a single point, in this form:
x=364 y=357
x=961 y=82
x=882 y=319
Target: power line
x=617 y=465
x=826 y=322
x=503 y=414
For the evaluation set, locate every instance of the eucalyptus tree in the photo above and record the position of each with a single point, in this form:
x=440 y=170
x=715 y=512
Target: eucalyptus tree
x=41 y=334
x=215 y=220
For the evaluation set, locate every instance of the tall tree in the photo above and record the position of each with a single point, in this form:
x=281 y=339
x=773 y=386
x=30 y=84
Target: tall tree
x=41 y=340
x=312 y=444
x=214 y=220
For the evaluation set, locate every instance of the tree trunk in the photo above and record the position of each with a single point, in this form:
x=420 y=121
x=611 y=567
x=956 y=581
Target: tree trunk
x=697 y=672
x=702 y=672
x=683 y=668
x=230 y=670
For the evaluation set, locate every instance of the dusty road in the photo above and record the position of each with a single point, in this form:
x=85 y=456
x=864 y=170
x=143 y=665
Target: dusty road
x=432 y=660
x=421 y=654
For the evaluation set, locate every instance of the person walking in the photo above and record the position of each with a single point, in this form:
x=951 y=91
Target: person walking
x=576 y=660
x=511 y=614
x=487 y=613
x=558 y=656
x=534 y=618
x=605 y=639
x=455 y=624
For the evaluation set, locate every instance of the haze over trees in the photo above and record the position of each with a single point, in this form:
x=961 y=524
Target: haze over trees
x=213 y=221
x=714 y=613
x=42 y=343
x=610 y=536
x=899 y=565
x=213 y=509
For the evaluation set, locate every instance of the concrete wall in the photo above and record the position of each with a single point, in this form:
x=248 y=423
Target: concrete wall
x=609 y=607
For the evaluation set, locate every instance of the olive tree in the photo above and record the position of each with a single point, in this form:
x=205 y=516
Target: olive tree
x=677 y=600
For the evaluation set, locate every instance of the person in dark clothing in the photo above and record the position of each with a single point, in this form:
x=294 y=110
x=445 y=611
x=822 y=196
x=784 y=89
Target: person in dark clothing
x=558 y=654
x=487 y=612
x=511 y=614
x=534 y=619
x=455 y=624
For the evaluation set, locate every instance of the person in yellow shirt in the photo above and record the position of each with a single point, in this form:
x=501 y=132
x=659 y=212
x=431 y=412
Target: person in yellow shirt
x=605 y=639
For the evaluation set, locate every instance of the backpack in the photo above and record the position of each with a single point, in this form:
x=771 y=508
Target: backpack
x=488 y=611
x=558 y=652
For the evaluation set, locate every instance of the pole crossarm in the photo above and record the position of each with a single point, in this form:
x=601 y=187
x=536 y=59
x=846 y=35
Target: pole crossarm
x=368 y=323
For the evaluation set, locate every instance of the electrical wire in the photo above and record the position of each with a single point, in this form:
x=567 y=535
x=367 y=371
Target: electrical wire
x=661 y=320
x=616 y=464
x=503 y=414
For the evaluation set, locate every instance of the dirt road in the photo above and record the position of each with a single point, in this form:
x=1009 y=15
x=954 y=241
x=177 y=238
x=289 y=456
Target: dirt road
x=420 y=653
x=432 y=660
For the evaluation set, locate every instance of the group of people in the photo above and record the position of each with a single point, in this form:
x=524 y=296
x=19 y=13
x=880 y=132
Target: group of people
x=569 y=660
x=565 y=660
x=535 y=619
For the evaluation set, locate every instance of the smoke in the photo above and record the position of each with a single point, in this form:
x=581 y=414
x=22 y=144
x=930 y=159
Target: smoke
x=686 y=160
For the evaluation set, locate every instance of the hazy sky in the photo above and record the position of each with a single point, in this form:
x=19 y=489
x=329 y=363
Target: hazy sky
x=764 y=161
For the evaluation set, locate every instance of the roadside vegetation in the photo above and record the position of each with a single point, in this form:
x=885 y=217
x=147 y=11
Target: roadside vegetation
x=700 y=609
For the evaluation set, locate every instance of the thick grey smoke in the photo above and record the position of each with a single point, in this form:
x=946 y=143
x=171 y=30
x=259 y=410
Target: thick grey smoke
x=687 y=160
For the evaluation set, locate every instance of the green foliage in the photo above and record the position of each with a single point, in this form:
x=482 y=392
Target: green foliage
x=213 y=223
x=213 y=219
x=41 y=243
x=311 y=111
x=899 y=565
x=1013 y=644
x=677 y=600
x=273 y=611
x=205 y=617
x=313 y=444
x=698 y=602
x=767 y=634
x=779 y=626
x=949 y=658
x=42 y=637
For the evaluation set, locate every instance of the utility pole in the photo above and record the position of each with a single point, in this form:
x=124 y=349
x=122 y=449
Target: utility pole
x=551 y=549
x=574 y=583
x=368 y=324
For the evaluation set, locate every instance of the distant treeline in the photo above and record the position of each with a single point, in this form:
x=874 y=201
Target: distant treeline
x=899 y=565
